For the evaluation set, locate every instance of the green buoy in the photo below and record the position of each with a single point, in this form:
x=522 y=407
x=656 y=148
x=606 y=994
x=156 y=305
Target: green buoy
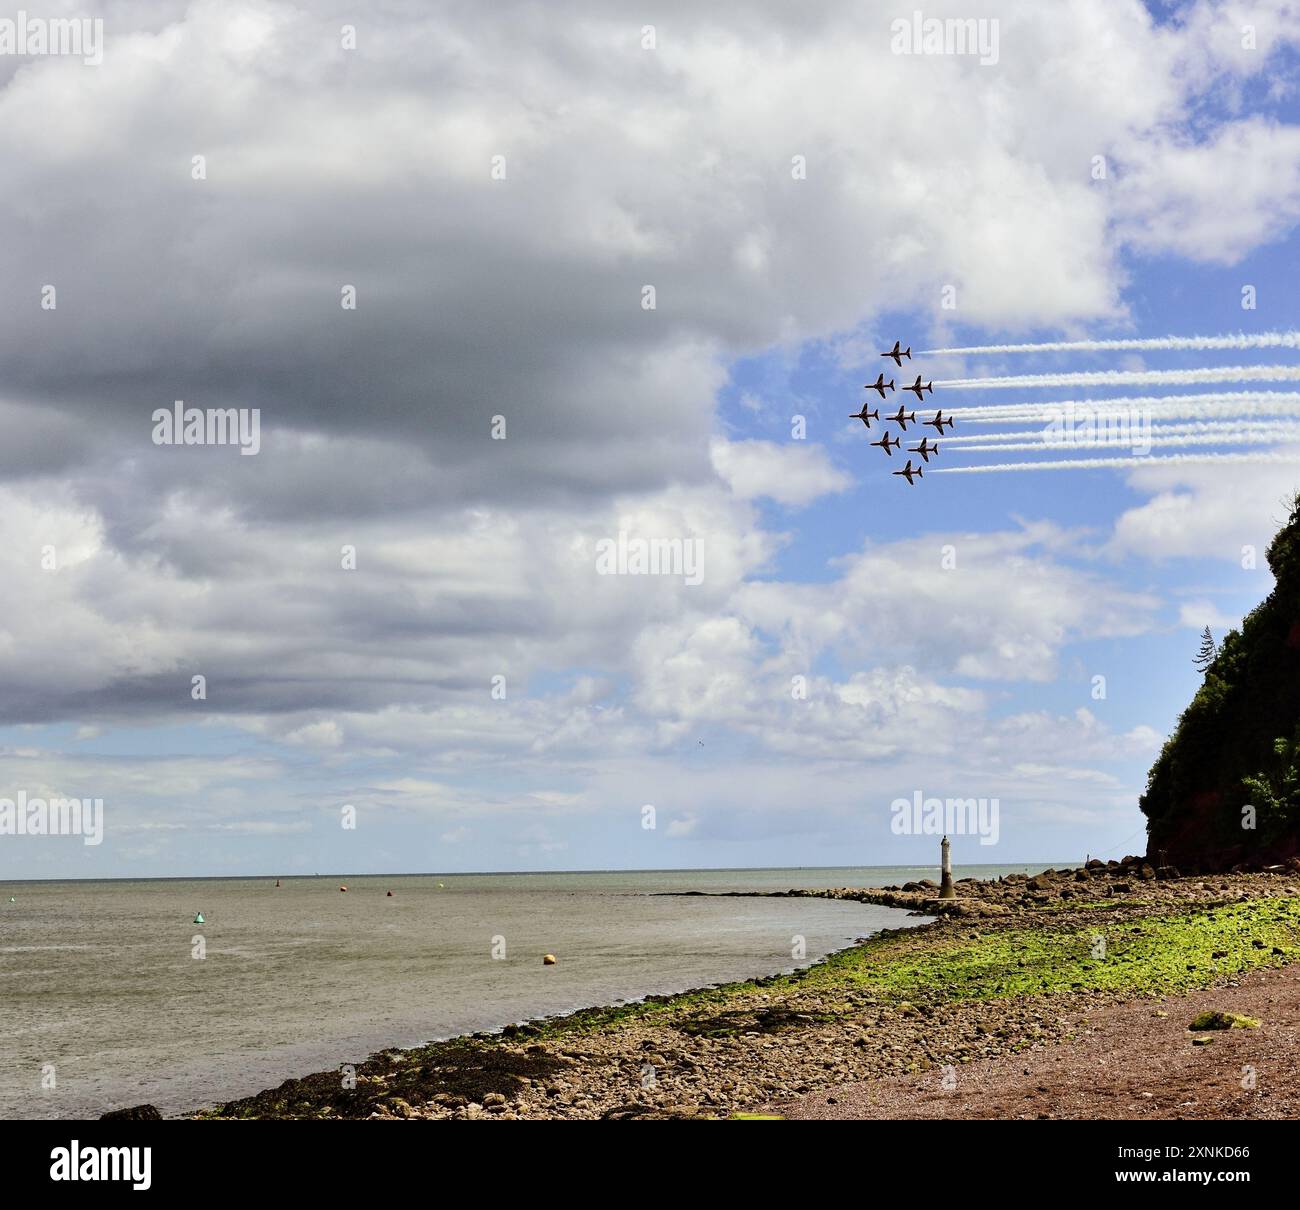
x=198 y=918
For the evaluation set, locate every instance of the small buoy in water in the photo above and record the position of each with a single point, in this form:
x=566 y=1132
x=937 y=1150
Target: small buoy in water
x=343 y=888
x=198 y=918
x=277 y=882
x=12 y=899
x=390 y=894
x=548 y=959
x=440 y=886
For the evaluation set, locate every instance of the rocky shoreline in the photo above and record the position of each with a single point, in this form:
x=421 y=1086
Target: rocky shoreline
x=1006 y=967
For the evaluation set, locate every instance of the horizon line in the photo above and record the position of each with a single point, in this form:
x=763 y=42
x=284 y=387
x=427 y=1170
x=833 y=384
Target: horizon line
x=514 y=873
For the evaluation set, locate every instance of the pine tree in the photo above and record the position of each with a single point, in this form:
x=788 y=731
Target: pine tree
x=1205 y=657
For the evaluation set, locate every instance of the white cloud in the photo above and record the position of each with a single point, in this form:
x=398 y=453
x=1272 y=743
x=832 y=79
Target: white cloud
x=790 y=474
x=1199 y=614
x=1002 y=610
x=1171 y=198
x=1206 y=512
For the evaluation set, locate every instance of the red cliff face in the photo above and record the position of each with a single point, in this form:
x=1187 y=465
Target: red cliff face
x=1226 y=788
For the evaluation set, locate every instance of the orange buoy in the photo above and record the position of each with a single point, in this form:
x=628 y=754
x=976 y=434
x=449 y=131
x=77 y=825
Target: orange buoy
x=548 y=959
x=343 y=888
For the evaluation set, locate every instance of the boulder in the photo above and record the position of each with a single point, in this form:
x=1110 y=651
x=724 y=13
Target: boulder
x=1216 y=1019
x=136 y=1113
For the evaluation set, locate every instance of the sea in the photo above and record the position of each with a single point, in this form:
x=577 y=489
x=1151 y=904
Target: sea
x=112 y=995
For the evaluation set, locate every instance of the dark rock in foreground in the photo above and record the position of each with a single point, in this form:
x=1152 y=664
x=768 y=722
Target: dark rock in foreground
x=136 y=1113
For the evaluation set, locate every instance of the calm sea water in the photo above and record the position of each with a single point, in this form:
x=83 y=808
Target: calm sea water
x=103 y=998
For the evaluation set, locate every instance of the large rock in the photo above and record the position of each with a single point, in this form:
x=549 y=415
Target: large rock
x=136 y=1113
x=1223 y=1020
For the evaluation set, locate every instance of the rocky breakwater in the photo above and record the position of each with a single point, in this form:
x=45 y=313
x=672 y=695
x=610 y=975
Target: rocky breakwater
x=1133 y=880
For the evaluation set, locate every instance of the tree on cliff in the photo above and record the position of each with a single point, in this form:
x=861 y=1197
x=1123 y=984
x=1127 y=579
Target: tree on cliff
x=1226 y=786
x=1205 y=657
x=1275 y=792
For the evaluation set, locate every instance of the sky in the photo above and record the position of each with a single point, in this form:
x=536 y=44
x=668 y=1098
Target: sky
x=497 y=187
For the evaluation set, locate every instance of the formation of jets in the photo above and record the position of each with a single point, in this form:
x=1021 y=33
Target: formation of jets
x=901 y=417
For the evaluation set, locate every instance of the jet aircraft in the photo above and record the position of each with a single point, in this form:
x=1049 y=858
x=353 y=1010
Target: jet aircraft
x=909 y=473
x=898 y=356
x=880 y=385
x=919 y=389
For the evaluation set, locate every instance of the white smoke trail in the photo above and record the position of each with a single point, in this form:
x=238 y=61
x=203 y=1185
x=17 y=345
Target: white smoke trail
x=1137 y=438
x=1243 y=411
x=1129 y=378
x=1102 y=463
x=1158 y=430
x=1171 y=405
x=1254 y=340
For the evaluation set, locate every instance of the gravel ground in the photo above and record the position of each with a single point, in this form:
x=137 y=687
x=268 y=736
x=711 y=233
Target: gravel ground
x=1130 y=1061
